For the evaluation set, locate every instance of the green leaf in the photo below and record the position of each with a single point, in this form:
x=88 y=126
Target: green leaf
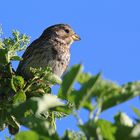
x=32 y=135
x=14 y=44
x=83 y=77
x=136 y=110
x=37 y=124
x=63 y=109
x=3 y=116
x=16 y=58
x=3 y=57
x=123 y=132
x=46 y=75
x=26 y=135
x=42 y=127
x=88 y=106
x=13 y=125
x=123 y=119
x=71 y=135
x=101 y=129
x=68 y=81
x=53 y=79
x=30 y=104
x=38 y=105
x=85 y=92
x=124 y=126
x=1 y=44
x=107 y=130
x=17 y=82
x=47 y=102
x=7 y=138
x=115 y=95
x=135 y=133
x=19 y=97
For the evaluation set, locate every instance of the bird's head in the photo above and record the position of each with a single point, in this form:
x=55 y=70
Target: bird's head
x=61 y=32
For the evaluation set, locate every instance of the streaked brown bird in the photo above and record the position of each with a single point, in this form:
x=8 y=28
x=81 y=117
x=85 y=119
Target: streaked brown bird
x=52 y=49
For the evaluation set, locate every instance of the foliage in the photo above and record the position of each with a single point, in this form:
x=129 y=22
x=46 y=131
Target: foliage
x=32 y=104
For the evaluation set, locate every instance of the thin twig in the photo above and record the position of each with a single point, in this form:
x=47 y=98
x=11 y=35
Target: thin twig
x=79 y=120
x=99 y=109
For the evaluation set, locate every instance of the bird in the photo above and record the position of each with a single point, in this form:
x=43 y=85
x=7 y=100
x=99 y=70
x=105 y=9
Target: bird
x=51 y=49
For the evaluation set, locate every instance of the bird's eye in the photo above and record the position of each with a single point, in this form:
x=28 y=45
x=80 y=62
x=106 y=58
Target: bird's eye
x=67 y=31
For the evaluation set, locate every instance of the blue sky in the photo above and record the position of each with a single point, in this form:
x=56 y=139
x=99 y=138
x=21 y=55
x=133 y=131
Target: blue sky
x=109 y=29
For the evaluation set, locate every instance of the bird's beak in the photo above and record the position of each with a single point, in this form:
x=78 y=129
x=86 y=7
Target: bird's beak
x=75 y=37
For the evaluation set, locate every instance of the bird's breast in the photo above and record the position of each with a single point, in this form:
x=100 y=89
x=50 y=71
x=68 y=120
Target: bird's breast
x=59 y=62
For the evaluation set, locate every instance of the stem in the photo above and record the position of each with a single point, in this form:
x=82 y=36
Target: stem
x=28 y=85
x=9 y=68
x=79 y=120
x=98 y=110
x=91 y=115
x=33 y=81
x=53 y=121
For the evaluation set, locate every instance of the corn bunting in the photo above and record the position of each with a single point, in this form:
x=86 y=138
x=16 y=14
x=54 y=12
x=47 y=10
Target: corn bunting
x=52 y=49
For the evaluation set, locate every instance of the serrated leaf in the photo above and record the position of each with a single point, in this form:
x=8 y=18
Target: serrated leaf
x=68 y=81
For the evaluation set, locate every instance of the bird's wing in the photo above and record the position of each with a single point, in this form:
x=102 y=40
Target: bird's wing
x=28 y=53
